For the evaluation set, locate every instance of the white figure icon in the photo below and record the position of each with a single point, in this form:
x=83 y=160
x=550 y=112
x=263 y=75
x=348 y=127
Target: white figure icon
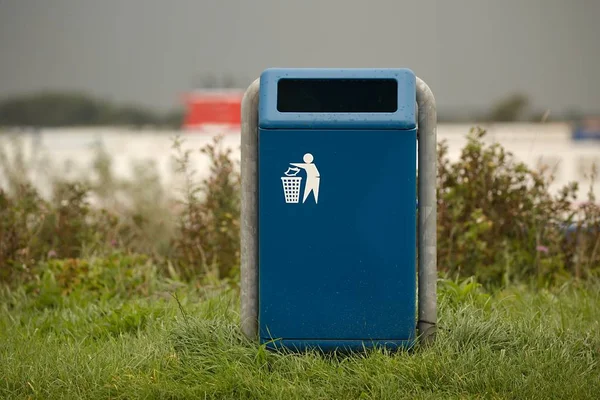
x=312 y=176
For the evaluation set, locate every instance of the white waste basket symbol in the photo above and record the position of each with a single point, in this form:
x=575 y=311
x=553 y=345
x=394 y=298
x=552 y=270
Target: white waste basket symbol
x=291 y=185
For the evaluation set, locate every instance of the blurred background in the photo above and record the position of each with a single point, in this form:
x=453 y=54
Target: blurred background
x=130 y=75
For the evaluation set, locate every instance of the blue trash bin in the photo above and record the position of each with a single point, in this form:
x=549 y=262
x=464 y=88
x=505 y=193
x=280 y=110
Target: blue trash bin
x=336 y=208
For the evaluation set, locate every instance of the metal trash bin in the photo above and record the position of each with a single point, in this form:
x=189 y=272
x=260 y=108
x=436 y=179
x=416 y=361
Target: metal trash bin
x=331 y=264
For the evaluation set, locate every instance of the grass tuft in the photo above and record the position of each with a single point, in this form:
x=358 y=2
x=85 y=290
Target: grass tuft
x=517 y=344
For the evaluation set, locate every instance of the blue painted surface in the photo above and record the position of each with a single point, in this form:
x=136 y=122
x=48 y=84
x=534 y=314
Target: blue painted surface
x=338 y=345
x=339 y=273
x=403 y=118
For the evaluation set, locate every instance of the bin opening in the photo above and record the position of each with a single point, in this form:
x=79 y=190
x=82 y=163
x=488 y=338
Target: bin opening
x=337 y=95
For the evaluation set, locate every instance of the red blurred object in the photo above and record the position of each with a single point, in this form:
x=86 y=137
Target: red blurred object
x=213 y=109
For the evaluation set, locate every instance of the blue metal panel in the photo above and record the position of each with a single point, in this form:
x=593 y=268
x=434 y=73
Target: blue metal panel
x=403 y=118
x=339 y=345
x=339 y=268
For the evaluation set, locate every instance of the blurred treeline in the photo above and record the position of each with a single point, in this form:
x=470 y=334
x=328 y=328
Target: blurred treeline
x=54 y=109
x=516 y=107
x=60 y=109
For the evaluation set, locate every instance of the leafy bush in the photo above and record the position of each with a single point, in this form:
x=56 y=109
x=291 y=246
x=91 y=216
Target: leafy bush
x=208 y=234
x=498 y=221
x=34 y=229
x=115 y=275
x=100 y=213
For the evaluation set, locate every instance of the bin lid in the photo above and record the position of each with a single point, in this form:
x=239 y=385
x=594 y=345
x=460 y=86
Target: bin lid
x=332 y=98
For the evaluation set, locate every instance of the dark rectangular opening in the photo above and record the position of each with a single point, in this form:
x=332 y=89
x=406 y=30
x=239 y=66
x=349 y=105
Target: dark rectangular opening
x=337 y=95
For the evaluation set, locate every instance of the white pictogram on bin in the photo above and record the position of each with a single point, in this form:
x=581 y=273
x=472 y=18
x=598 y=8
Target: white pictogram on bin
x=291 y=185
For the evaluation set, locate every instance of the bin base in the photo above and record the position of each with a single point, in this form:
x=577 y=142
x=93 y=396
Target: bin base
x=329 y=345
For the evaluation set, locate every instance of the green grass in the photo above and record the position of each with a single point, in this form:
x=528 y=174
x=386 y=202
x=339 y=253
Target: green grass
x=514 y=344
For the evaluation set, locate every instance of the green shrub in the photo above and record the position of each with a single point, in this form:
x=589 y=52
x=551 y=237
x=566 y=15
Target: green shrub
x=498 y=221
x=208 y=233
x=117 y=275
x=96 y=214
x=139 y=210
x=33 y=229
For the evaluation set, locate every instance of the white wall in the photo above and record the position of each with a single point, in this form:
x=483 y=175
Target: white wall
x=531 y=143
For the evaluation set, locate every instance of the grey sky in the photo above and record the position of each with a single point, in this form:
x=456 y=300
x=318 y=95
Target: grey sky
x=471 y=53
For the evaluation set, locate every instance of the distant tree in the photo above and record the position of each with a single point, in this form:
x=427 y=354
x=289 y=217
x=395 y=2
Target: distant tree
x=209 y=81
x=573 y=115
x=173 y=119
x=55 y=109
x=51 y=109
x=512 y=108
x=229 y=82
